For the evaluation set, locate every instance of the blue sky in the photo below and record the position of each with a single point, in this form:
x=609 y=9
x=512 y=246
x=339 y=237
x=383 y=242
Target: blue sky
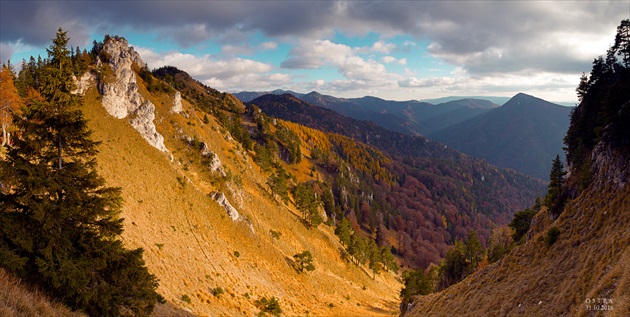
x=394 y=50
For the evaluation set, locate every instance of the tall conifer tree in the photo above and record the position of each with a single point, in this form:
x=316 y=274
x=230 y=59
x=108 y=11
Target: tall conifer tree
x=60 y=222
x=555 y=198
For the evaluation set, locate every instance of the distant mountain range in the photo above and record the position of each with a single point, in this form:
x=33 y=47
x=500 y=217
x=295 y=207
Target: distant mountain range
x=524 y=134
x=410 y=117
x=291 y=108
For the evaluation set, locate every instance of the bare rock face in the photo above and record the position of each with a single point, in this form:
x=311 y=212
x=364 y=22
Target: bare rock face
x=215 y=163
x=121 y=98
x=83 y=83
x=177 y=103
x=220 y=198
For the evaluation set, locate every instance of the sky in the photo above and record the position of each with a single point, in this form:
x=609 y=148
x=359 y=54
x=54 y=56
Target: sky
x=399 y=50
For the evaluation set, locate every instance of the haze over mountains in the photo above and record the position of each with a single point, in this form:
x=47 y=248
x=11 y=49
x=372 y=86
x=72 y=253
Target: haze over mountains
x=524 y=134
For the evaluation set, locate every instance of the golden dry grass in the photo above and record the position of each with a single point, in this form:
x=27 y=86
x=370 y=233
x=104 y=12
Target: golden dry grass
x=17 y=300
x=190 y=242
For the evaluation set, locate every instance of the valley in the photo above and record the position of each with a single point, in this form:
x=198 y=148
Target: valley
x=133 y=187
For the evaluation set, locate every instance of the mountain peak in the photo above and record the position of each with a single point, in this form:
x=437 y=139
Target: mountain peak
x=522 y=100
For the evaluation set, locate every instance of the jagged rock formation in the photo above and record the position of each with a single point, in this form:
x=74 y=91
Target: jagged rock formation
x=120 y=95
x=220 y=198
x=215 y=163
x=84 y=82
x=177 y=103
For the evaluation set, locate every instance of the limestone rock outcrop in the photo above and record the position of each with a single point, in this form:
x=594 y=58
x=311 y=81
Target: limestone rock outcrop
x=84 y=82
x=121 y=97
x=177 y=103
x=220 y=198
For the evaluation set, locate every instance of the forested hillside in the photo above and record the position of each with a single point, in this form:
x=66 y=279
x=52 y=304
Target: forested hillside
x=438 y=195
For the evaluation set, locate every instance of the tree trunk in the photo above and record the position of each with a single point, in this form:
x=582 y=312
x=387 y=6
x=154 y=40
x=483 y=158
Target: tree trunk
x=5 y=135
x=59 y=149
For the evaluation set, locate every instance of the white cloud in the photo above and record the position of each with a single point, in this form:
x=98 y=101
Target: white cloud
x=232 y=74
x=314 y=54
x=381 y=47
x=268 y=46
x=390 y=59
x=358 y=72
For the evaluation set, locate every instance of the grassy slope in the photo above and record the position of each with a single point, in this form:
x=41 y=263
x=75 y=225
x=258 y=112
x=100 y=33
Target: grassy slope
x=17 y=300
x=190 y=242
x=590 y=260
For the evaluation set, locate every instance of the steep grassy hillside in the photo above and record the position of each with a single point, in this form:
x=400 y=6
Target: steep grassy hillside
x=584 y=273
x=208 y=264
x=17 y=300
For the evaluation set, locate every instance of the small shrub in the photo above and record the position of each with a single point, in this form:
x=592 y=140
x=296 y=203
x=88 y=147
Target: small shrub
x=237 y=254
x=160 y=245
x=304 y=261
x=552 y=236
x=270 y=306
x=181 y=180
x=186 y=298
x=217 y=291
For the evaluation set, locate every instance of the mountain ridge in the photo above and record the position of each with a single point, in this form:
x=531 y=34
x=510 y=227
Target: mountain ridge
x=524 y=134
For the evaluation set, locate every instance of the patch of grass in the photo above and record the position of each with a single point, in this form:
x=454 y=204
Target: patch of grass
x=17 y=300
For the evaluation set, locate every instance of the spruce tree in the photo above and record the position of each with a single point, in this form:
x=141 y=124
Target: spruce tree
x=60 y=222
x=554 y=200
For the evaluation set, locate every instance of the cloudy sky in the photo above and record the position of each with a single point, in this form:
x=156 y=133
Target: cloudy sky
x=391 y=49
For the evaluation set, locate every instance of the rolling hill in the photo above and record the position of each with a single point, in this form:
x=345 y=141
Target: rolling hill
x=524 y=134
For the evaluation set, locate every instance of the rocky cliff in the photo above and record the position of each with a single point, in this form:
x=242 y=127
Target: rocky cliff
x=121 y=97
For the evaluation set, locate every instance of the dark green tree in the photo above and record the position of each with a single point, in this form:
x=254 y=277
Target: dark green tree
x=521 y=222
x=474 y=252
x=279 y=184
x=622 y=42
x=582 y=87
x=555 y=198
x=416 y=283
x=374 y=257
x=388 y=259
x=304 y=261
x=60 y=222
x=307 y=203
x=343 y=231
